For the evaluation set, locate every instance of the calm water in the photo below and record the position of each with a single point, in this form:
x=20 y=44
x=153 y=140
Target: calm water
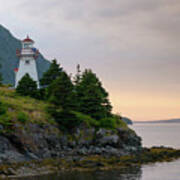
x=159 y=134
x=152 y=135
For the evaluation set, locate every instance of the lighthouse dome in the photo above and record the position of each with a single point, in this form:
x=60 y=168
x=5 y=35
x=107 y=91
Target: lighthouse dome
x=27 y=39
x=27 y=42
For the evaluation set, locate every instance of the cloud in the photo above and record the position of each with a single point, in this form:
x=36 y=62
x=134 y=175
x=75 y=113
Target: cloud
x=133 y=45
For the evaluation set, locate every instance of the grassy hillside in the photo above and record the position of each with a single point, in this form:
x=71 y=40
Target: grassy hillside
x=18 y=109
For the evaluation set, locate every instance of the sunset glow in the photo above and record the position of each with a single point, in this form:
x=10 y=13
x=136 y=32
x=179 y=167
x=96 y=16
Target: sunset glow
x=133 y=46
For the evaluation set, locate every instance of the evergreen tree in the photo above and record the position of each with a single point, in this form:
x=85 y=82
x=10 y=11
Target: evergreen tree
x=61 y=95
x=54 y=71
x=92 y=97
x=60 y=91
x=27 y=86
x=66 y=119
x=77 y=77
x=76 y=81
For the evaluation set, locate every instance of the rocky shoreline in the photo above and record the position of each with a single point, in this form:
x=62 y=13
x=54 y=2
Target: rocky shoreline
x=36 y=149
x=86 y=163
x=37 y=142
x=32 y=148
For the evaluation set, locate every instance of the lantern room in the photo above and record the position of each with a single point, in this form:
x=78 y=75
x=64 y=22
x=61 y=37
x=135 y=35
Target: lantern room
x=27 y=43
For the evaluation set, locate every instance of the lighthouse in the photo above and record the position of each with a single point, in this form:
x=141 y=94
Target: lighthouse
x=27 y=61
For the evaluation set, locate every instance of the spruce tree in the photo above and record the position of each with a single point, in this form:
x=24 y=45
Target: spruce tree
x=27 y=86
x=60 y=91
x=76 y=81
x=53 y=72
x=61 y=95
x=77 y=77
x=92 y=97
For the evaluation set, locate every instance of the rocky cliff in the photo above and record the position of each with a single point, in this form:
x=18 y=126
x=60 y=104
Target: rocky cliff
x=32 y=141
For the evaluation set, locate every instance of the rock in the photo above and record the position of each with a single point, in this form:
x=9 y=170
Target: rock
x=111 y=151
x=101 y=133
x=3 y=176
x=31 y=156
x=97 y=150
x=36 y=142
x=11 y=171
x=63 y=140
x=72 y=144
x=109 y=140
x=1 y=127
x=91 y=164
x=82 y=151
x=129 y=138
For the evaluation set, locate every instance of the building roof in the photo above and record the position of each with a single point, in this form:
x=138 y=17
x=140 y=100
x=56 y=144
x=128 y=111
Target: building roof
x=28 y=40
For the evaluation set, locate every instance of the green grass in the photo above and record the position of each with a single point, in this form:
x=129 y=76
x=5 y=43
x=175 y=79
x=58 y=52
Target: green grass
x=15 y=108
x=22 y=109
x=89 y=121
x=107 y=123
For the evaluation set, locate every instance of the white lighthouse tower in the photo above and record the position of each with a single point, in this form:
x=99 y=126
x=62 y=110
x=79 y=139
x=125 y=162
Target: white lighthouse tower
x=27 y=61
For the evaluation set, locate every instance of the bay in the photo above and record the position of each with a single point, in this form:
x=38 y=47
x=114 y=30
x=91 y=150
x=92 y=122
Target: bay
x=157 y=134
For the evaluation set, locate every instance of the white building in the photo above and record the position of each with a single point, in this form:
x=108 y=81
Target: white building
x=27 y=61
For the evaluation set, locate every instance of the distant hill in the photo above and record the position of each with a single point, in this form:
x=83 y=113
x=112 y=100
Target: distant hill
x=8 y=59
x=160 y=121
x=127 y=120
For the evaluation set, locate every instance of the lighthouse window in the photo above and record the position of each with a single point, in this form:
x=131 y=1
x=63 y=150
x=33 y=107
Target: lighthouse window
x=27 y=62
x=26 y=45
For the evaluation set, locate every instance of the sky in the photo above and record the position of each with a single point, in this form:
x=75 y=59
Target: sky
x=132 y=46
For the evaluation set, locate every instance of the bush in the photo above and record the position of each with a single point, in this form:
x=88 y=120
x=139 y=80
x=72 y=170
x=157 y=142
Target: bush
x=119 y=122
x=27 y=87
x=66 y=119
x=3 y=109
x=22 y=117
x=6 y=120
x=108 y=123
x=112 y=123
x=87 y=119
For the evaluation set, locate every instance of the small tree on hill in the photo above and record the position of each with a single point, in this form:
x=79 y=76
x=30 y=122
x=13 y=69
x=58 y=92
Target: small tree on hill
x=61 y=95
x=60 y=91
x=53 y=72
x=27 y=86
x=92 y=97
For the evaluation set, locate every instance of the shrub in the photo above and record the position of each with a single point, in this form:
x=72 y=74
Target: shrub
x=66 y=119
x=27 y=87
x=6 y=120
x=119 y=122
x=22 y=117
x=87 y=119
x=3 y=109
x=108 y=123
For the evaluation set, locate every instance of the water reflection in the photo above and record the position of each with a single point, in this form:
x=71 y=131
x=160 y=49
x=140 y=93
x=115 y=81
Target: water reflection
x=134 y=173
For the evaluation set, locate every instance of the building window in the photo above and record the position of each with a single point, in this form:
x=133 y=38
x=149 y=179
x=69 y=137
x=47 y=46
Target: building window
x=27 y=62
x=26 y=45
